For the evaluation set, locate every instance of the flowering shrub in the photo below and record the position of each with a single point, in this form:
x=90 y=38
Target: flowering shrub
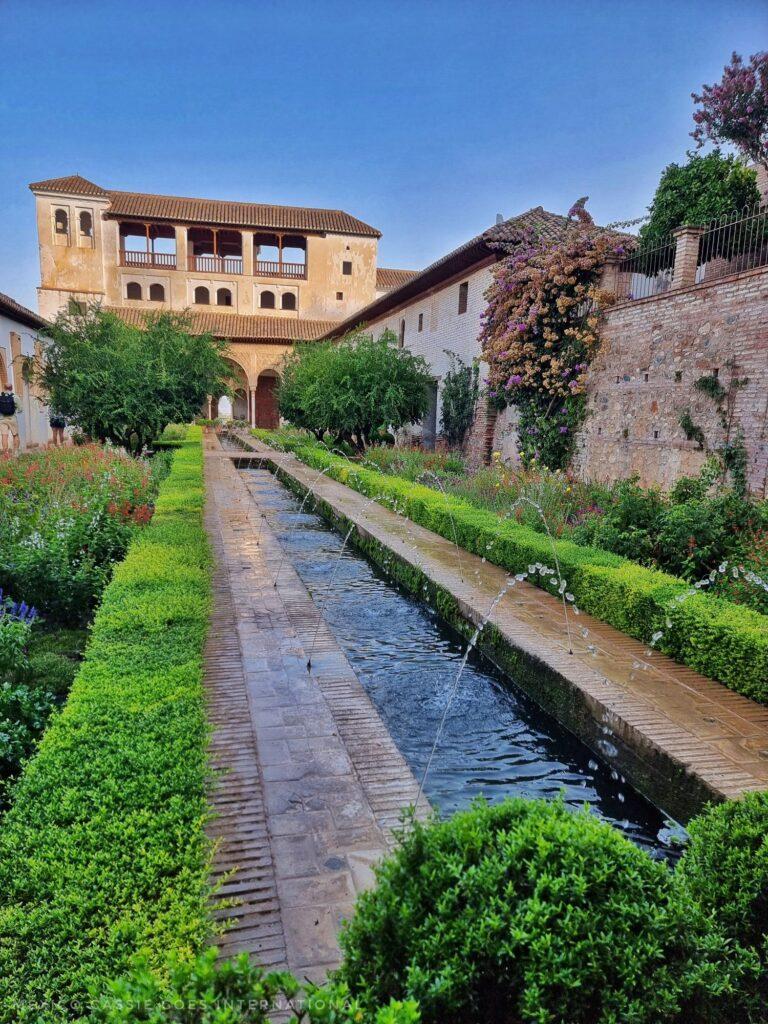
x=67 y=516
x=540 y=331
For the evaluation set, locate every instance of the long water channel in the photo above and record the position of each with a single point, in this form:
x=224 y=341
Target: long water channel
x=496 y=741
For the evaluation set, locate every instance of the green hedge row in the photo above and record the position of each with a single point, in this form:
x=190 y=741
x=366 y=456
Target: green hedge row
x=103 y=852
x=720 y=639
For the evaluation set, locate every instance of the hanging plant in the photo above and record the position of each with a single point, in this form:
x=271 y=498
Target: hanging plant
x=540 y=333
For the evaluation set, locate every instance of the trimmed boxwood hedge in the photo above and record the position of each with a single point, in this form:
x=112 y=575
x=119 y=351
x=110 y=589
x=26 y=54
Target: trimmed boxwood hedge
x=103 y=852
x=714 y=636
x=528 y=912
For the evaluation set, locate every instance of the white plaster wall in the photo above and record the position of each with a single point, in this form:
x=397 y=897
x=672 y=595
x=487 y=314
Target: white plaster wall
x=444 y=328
x=31 y=420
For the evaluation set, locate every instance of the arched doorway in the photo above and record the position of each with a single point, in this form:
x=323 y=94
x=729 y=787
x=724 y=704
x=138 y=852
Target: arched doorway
x=233 y=405
x=267 y=415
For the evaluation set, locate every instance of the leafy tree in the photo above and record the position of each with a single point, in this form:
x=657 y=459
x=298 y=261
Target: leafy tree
x=735 y=109
x=125 y=385
x=354 y=387
x=460 y=391
x=697 y=192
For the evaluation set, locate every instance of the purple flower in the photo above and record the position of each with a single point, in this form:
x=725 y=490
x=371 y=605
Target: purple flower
x=563 y=430
x=514 y=379
x=521 y=327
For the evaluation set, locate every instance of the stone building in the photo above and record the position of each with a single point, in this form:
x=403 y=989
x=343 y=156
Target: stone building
x=20 y=348
x=260 y=276
x=438 y=311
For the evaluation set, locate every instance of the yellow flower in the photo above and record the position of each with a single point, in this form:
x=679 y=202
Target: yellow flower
x=567 y=490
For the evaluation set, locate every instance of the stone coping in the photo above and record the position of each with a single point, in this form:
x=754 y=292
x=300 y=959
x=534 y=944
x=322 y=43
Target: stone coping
x=681 y=738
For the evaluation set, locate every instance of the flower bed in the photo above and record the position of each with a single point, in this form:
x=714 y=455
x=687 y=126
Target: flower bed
x=724 y=641
x=68 y=514
x=103 y=851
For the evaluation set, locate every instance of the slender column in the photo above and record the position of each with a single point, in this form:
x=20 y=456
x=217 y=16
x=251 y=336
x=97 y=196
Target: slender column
x=181 y=248
x=210 y=407
x=246 y=242
x=686 y=255
x=280 y=254
x=146 y=229
x=252 y=406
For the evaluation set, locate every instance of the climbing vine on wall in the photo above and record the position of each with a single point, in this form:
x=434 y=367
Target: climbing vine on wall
x=540 y=332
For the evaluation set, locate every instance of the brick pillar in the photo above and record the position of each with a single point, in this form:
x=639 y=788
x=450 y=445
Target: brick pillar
x=686 y=255
x=609 y=277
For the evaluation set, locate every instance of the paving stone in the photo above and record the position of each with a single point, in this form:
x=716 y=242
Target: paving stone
x=292 y=803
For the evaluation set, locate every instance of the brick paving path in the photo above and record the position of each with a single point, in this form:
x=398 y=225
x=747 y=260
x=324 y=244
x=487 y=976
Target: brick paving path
x=309 y=782
x=665 y=713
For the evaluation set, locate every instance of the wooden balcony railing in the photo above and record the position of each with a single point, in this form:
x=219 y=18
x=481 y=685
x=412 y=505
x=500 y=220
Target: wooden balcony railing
x=269 y=268
x=216 y=264
x=130 y=258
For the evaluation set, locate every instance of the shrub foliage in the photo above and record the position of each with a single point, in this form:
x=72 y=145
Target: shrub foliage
x=353 y=388
x=103 y=852
x=527 y=912
x=122 y=384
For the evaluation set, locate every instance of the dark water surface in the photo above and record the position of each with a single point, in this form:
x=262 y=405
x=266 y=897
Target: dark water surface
x=496 y=741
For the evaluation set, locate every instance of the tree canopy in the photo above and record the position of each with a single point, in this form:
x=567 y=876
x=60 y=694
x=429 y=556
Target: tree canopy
x=698 y=191
x=354 y=387
x=735 y=109
x=125 y=385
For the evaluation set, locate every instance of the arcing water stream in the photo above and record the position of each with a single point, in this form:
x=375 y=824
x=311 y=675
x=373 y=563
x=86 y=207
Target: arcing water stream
x=492 y=739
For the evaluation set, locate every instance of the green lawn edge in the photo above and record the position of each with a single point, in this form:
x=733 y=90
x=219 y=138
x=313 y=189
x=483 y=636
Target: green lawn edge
x=103 y=852
x=720 y=639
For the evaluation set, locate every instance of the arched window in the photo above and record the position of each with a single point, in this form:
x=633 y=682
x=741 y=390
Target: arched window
x=288 y=301
x=267 y=300
x=223 y=297
x=401 y=334
x=202 y=296
x=156 y=293
x=86 y=224
x=133 y=290
x=61 y=221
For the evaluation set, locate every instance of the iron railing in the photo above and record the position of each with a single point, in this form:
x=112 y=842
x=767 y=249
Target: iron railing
x=733 y=243
x=646 y=271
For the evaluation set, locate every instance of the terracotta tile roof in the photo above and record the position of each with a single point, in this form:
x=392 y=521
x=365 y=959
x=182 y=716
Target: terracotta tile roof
x=237 y=327
x=241 y=215
x=492 y=243
x=73 y=183
x=15 y=311
x=212 y=211
x=387 y=277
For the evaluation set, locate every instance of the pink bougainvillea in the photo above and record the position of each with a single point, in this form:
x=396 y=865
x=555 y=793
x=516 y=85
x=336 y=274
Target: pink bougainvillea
x=540 y=326
x=735 y=109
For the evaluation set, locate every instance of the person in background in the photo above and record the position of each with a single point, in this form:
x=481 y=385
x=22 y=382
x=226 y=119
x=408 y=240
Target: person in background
x=58 y=423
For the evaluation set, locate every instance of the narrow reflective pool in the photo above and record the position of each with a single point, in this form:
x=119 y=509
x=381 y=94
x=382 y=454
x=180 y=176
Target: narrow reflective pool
x=496 y=741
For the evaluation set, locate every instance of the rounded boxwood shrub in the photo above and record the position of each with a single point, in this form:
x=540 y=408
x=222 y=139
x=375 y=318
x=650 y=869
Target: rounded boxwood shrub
x=528 y=912
x=725 y=868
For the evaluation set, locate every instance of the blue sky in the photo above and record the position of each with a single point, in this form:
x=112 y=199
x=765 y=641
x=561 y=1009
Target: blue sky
x=423 y=118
